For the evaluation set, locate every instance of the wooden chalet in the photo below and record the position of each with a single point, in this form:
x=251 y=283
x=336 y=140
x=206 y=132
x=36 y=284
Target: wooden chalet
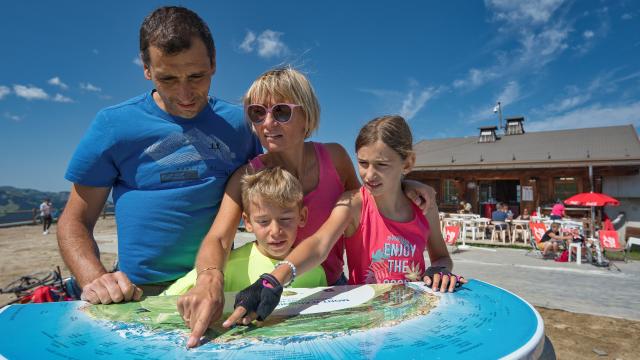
x=524 y=169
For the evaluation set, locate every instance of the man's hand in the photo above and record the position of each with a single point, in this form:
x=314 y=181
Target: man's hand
x=256 y=302
x=200 y=307
x=441 y=279
x=111 y=288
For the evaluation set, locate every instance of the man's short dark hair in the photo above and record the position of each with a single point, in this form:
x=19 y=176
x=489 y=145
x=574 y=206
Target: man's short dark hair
x=170 y=29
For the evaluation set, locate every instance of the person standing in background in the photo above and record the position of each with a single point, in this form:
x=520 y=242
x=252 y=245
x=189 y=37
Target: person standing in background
x=45 y=215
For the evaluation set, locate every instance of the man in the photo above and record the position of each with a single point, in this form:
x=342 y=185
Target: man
x=45 y=215
x=500 y=214
x=166 y=154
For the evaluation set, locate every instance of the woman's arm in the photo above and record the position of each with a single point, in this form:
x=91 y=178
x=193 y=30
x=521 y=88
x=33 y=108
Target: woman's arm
x=203 y=304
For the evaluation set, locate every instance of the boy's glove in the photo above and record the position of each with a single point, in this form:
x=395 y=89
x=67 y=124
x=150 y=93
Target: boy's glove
x=261 y=297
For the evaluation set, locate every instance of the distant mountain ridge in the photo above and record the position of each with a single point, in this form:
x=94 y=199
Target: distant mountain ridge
x=15 y=199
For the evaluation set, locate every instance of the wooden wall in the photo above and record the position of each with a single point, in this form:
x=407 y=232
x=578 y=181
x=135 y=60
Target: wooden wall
x=542 y=181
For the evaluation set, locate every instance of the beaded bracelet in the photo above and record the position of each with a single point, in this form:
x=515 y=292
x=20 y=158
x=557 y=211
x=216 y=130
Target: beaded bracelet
x=207 y=269
x=293 y=270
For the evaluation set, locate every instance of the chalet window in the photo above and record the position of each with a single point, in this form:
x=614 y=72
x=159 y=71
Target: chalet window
x=450 y=192
x=564 y=187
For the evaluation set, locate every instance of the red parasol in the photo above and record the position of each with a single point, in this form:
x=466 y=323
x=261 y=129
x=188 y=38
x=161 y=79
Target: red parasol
x=591 y=199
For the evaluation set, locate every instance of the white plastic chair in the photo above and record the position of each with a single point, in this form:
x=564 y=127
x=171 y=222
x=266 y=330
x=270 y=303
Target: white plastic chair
x=502 y=233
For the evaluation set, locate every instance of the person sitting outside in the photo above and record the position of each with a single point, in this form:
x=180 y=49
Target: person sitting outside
x=558 y=211
x=552 y=239
x=501 y=215
x=273 y=211
x=525 y=215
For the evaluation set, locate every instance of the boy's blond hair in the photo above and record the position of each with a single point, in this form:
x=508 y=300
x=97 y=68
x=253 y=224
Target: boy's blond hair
x=274 y=185
x=290 y=85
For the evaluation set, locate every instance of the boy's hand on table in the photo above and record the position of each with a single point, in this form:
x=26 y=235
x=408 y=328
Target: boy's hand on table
x=256 y=302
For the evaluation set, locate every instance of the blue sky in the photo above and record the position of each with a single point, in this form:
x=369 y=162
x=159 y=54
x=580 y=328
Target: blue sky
x=441 y=64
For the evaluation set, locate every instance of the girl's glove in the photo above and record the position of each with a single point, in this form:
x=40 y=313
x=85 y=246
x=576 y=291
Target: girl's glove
x=442 y=271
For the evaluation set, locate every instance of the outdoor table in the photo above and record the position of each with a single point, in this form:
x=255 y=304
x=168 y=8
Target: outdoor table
x=378 y=321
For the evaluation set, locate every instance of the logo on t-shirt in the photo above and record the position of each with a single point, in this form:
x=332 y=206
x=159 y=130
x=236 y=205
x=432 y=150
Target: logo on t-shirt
x=395 y=262
x=189 y=148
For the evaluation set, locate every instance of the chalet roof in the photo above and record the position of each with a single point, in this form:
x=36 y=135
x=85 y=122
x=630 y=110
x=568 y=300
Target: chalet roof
x=603 y=146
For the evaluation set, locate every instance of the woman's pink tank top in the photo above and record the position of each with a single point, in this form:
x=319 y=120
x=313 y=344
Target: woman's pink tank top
x=383 y=250
x=320 y=203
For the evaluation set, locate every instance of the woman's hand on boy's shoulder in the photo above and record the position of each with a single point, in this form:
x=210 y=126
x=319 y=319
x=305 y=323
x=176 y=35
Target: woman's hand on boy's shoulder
x=199 y=308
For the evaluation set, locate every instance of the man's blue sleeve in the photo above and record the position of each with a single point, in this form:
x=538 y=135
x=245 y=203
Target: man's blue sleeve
x=92 y=162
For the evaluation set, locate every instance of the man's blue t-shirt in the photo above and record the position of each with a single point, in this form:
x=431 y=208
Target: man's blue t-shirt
x=499 y=215
x=168 y=176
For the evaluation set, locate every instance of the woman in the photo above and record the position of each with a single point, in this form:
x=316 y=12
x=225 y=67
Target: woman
x=284 y=112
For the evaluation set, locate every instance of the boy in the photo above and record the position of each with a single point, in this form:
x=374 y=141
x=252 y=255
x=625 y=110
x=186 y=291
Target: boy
x=273 y=211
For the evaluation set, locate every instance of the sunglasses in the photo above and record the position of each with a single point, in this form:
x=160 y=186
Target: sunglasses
x=280 y=112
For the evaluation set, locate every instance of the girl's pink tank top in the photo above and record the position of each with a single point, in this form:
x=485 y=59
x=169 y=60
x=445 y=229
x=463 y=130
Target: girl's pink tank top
x=386 y=251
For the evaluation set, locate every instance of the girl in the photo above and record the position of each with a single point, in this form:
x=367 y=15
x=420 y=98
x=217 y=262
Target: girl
x=385 y=234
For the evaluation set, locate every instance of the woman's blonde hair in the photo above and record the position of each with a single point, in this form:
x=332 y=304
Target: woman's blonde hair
x=274 y=185
x=286 y=84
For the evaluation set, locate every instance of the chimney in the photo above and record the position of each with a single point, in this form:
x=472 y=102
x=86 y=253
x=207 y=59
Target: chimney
x=488 y=134
x=514 y=126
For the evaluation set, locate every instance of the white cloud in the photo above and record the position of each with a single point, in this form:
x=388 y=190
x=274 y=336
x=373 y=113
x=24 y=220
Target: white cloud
x=270 y=45
x=248 y=42
x=569 y=103
x=95 y=51
x=406 y=104
x=510 y=94
x=57 y=82
x=626 y=16
x=540 y=48
x=4 y=91
x=30 y=92
x=89 y=87
x=578 y=95
x=476 y=78
x=588 y=34
x=12 y=117
x=519 y=12
x=591 y=116
x=414 y=101
x=267 y=45
x=533 y=25
x=61 y=99
x=136 y=60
